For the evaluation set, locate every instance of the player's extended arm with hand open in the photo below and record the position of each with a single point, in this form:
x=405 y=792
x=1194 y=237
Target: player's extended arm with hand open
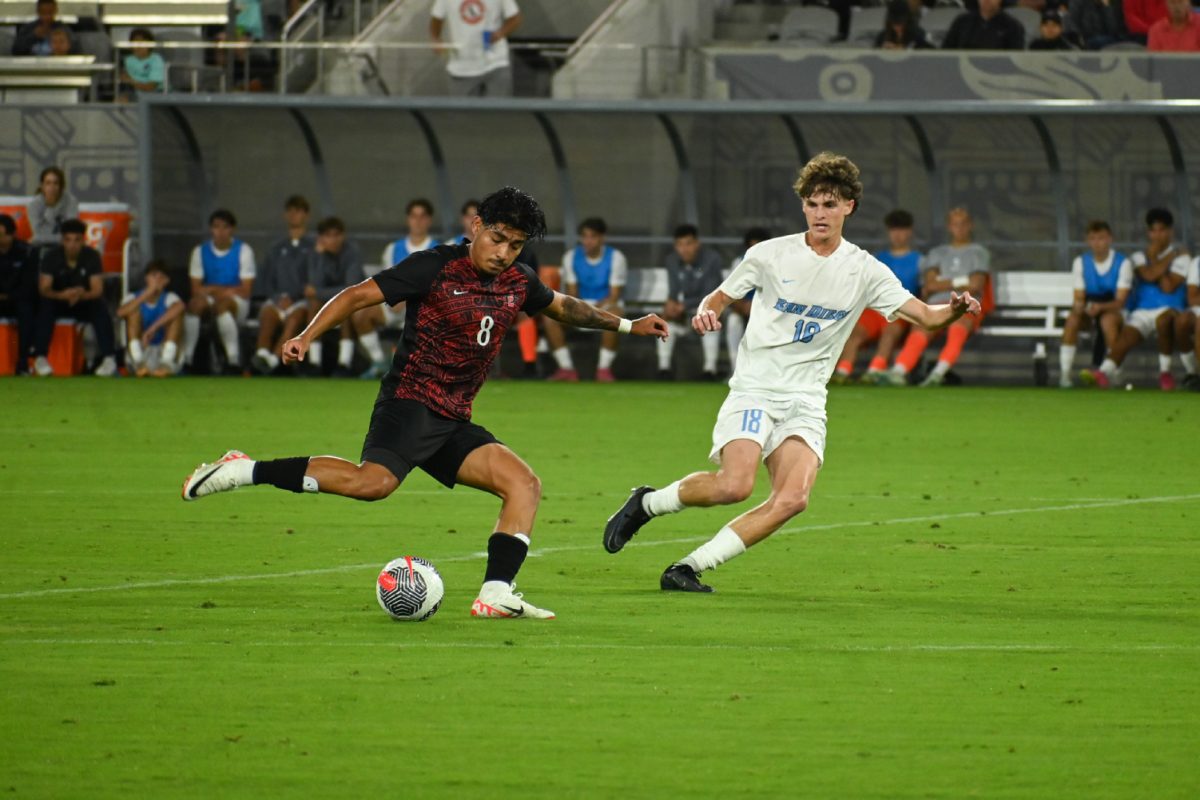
x=708 y=315
x=570 y=311
x=332 y=314
x=933 y=318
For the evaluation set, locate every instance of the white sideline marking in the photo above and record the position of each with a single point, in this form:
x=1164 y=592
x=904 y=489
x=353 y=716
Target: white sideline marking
x=816 y=648
x=120 y=587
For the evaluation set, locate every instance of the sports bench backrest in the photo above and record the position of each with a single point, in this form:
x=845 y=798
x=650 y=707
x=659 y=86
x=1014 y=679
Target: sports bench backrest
x=1039 y=289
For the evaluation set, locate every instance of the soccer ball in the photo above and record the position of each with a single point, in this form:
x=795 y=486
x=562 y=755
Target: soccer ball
x=409 y=588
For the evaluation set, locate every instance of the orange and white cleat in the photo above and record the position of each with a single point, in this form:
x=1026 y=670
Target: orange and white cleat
x=498 y=601
x=234 y=469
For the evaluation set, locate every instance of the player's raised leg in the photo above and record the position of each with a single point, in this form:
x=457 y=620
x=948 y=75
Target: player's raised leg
x=496 y=469
x=327 y=474
x=793 y=467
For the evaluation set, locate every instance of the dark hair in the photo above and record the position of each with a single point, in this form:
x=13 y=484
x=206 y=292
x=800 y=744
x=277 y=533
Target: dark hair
x=1160 y=215
x=828 y=173
x=516 y=209
x=73 y=226
x=684 y=230
x=331 y=224
x=223 y=214
x=60 y=27
x=297 y=201
x=755 y=234
x=41 y=3
x=468 y=205
x=62 y=178
x=898 y=218
x=141 y=35
x=1097 y=226
x=157 y=265
x=8 y=223
x=419 y=202
x=593 y=224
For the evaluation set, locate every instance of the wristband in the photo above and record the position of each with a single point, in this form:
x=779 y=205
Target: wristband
x=625 y=326
x=961 y=282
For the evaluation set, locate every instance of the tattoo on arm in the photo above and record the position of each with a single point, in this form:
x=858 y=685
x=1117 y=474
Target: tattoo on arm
x=584 y=315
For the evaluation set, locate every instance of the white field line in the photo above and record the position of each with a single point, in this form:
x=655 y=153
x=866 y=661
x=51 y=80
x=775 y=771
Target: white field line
x=1003 y=647
x=121 y=587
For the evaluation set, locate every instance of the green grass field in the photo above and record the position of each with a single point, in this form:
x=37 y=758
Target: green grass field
x=993 y=594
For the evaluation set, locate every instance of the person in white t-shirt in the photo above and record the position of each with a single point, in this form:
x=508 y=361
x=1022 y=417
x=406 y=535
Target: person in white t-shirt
x=809 y=289
x=222 y=270
x=477 y=32
x=1187 y=332
x=1099 y=300
x=594 y=272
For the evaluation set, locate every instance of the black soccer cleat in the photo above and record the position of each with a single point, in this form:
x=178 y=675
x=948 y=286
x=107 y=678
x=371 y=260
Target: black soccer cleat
x=625 y=523
x=682 y=578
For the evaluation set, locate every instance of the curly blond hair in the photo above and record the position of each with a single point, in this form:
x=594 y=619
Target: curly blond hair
x=829 y=173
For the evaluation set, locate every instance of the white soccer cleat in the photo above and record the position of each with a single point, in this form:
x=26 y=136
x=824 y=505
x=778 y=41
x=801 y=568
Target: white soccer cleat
x=223 y=476
x=501 y=602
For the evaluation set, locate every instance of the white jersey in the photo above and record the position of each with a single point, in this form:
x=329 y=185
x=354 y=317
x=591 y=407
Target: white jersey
x=469 y=25
x=804 y=310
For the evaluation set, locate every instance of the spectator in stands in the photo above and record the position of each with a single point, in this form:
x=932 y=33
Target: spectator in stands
x=418 y=216
x=1098 y=300
x=478 y=34
x=739 y=310
x=1157 y=284
x=33 y=38
x=71 y=286
x=153 y=324
x=249 y=20
x=51 y=207
x=906 y=263
x=18 y=287
x=335 y=264
x=988 y=28
x=1178 y=32
x=1139 y=15
x=61 y=43
x=1192 y=380
x=693 y=272
x=468 y=212
x=1052 y=33
x=143 y=70
x=961 y=264
x=222 y=270
x=594 y=272
x=1096 y=23
x=282 y=280
x=902 y=29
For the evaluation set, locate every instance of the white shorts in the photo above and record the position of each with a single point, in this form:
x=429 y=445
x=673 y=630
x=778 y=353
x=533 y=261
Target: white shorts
x=393 y=318
x=1142 y=320
x=241 y=307
x=768 y=422
x=295 y=308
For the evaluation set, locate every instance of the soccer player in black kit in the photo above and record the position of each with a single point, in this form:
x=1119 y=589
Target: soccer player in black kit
x=461 y=300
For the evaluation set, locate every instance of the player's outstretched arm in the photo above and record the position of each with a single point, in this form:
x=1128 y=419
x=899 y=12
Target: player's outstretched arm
x=933 y=318
x=708 y=315
x=578 y=314
x=332 y=314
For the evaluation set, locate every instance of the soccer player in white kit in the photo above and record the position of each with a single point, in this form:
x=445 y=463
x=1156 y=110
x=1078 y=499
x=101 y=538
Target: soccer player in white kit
x=809 y=290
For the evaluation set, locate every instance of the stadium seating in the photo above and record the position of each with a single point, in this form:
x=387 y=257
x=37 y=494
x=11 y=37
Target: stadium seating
x=937 y=22
x=55 y=80
x=808 y=26
x=865 y=25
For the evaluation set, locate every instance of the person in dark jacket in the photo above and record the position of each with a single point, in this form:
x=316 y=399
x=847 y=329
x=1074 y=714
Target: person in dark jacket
x=900 y=29
x=989 y=28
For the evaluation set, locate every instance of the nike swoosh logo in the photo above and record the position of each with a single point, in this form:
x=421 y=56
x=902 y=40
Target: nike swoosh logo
x=457 y=292
x=792 y=280
x=516 y=612
x=196 y=486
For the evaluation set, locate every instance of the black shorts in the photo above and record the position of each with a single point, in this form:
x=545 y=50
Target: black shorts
x=405 y=434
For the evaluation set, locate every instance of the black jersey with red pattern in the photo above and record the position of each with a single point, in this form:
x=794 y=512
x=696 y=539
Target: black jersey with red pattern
x=454 y=322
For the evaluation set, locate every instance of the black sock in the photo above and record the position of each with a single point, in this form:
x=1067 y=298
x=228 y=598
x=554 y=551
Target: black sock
x=505 y=556
x=284 y=473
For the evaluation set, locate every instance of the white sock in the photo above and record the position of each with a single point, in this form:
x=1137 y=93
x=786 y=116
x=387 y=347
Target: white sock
x=716 y=551
x=345 y=352
x=137 y=353
x=310 y=485
x=370 y=343
x=710 y=345
x=1164 y=363
x=170 y=353
x=543 y=346
x=563 y=356
x=941 y=368
x=1189 y=362
x=271 y=359
x=608 y=356
x=244 y=471
x=1109 y=367
x=227 y=328
x=664 y=501
x=315 y=353
x=191 y=335
x=1066 y=357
